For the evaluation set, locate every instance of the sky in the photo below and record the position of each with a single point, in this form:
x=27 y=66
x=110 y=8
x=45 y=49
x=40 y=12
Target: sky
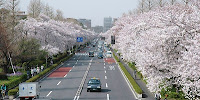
x=95 y=10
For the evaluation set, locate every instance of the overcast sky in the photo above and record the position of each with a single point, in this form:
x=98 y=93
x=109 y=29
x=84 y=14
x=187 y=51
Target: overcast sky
x=95 y=10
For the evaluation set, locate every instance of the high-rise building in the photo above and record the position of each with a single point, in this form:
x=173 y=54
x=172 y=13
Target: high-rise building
x=107 y=23
x=86 y=23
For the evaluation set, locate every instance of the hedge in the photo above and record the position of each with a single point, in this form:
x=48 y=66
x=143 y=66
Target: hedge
x=33 y=79
x=130 y=78
x=12 y=83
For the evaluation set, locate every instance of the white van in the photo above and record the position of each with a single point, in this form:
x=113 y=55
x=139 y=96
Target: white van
x=108 y=54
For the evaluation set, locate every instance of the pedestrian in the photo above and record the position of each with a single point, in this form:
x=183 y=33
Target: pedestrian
x=51 y=62
x=134 y=73
x=38 y=70
x=166 y=97
x=32 y=71
x=28 y=74
x=157 y=96
x=3 y=91
x=42 y=68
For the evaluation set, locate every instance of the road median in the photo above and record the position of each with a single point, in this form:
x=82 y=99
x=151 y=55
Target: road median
x=131 y=82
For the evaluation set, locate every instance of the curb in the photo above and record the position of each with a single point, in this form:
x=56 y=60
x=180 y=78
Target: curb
x=137 y=96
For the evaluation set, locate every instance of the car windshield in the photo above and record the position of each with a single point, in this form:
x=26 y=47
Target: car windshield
x=94 y=81
x=91 y=53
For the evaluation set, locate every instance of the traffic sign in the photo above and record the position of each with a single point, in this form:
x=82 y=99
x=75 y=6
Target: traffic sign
x=79 y=39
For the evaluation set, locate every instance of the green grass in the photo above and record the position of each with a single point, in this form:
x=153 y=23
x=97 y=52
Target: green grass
x=9 y=78
x=130 y=78
x=1 y=70
x=132 y=66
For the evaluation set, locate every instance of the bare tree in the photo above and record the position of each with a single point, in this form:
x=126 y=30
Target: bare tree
x=35 y=8
x=59 y=15
x=13 y=8
x=150 y=4
x=186 y=2
x=47 y=10
x=141 y=6
x=172 y=2
x=161 y=3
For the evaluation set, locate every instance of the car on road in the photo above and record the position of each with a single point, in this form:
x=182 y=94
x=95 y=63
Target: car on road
x=100 y=55
x=94 y=84
x=91 y=54
x=108 y=54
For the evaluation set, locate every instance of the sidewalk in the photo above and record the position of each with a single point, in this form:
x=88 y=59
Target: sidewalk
x=147 y=95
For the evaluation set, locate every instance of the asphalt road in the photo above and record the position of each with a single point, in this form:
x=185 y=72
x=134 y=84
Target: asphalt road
x=114 y=86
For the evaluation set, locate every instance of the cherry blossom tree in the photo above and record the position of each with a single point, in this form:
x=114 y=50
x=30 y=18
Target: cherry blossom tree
x=164 y=44
x=54 y=36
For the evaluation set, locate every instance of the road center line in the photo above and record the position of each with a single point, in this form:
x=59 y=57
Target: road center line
x=59 y=83
x=48 y=93
x=106 y=85
x=108 y=97
x=105 y=77
x=105 y=71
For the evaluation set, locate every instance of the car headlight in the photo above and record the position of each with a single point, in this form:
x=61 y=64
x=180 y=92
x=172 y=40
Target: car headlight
x=88 y=86
x=98 y=86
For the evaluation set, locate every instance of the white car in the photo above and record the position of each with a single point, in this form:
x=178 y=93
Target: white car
x=108 y=54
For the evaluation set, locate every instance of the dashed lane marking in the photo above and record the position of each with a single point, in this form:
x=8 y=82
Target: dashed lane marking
x=59 y=83
x=48 y=93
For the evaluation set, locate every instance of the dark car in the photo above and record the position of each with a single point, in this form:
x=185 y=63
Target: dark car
x=94 y=84
x=91 y=54
x=100 y=55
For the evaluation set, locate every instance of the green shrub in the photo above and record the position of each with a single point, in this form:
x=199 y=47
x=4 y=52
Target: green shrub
x=130 y=78
x=173 y=95
x=14 y=82
x=1 y=70
x=12 y=92
x=3 y=76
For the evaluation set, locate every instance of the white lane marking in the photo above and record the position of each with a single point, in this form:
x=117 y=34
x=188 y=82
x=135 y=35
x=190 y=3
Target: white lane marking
x=75 y=98
x=70 y=70
x=106 y=85
x=105 y=71
x=65 y=75
x=59 y=83
x=77 y=60
x=105 y=77
x=74 y=58
x=104 y=67
x=108 y=97
x=48 y=93
x=104 y=64
x=73 y=66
